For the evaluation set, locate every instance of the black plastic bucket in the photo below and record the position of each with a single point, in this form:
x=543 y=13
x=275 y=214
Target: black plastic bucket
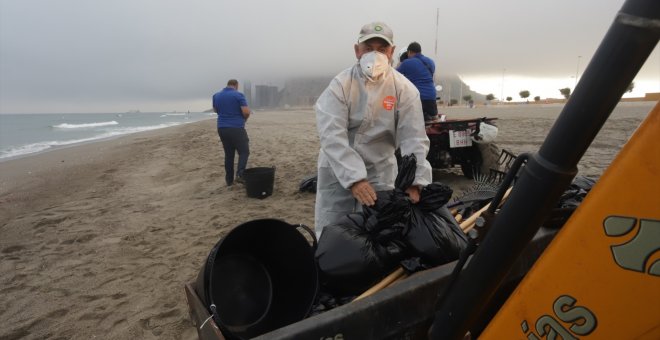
x=259 y=181
x=260 y=277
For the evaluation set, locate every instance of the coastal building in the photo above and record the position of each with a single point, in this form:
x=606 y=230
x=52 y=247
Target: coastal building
x=266 y=96
x=247 y=91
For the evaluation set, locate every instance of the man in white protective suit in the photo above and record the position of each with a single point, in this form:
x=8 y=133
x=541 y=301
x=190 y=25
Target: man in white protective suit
x=367 y=111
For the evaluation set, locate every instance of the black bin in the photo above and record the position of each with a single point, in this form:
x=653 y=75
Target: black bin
x=261 y=276
x=259 y=181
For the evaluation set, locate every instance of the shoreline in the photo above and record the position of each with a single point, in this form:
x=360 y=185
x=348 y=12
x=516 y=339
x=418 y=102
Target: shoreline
x=97 y=140
x=28 y=169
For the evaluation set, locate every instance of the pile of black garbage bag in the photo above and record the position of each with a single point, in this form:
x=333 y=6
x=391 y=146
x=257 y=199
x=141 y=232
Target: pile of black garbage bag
x=569 y=201
x=362 y=248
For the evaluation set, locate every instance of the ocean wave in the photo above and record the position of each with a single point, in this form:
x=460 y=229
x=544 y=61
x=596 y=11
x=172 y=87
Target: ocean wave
x=22 y=150
x=129 y=130
x=82 y=126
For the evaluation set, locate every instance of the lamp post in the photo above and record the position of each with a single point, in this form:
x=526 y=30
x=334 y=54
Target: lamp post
x=577 y=68
x=502 y=90
x=437 y=21
x=449 y=96
x=460 y=93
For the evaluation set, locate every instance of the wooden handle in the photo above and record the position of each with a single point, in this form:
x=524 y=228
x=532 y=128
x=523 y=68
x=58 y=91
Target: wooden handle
x=469 y=222
x=382 y=284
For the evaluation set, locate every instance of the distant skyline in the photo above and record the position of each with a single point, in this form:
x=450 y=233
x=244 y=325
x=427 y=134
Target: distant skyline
x=170 y=55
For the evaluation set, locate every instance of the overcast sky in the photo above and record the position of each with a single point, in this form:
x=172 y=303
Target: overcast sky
x=164 y=55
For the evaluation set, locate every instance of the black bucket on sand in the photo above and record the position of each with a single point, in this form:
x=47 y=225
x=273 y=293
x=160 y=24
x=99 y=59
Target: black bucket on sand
x=260 y=277
x=259 y=181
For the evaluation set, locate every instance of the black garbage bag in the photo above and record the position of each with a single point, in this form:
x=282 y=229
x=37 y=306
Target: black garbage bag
x=434 y=196
x=433 y=234
x=569 y=201
x=406 y=175
x=327 y=301
x=362 y=248
x=413 y=265
x=576 y=192
x=308 y=184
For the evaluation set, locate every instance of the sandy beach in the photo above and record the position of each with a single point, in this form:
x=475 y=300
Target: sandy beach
x=97 y=240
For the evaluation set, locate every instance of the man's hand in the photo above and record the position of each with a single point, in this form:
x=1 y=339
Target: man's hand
x=364 y=193
x=413 y=193
x=246 y=112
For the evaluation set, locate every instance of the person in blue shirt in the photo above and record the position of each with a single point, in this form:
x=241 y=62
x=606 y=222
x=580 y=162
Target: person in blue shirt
x=419 y=69
x=233 y=111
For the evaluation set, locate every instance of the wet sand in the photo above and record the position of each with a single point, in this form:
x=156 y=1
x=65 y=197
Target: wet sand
x=98 y=240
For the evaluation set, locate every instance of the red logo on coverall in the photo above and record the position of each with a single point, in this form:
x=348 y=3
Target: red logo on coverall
x=388 y=102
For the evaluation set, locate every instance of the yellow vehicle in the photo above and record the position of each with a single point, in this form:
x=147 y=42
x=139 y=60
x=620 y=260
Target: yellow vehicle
x=598 y=277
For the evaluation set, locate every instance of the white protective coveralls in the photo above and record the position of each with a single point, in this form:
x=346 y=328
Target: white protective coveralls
x=360 y=125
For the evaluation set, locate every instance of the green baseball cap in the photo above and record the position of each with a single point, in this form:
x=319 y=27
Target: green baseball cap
x=376 y=30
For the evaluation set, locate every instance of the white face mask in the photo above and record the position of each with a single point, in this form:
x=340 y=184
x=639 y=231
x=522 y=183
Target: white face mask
x=374 y=64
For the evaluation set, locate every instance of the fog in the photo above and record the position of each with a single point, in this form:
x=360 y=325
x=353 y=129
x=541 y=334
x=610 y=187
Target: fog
x=163 y=55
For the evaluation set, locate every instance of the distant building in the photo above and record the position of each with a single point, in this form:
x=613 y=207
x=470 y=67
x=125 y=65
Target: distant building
x=247 y=91
x=653 y=96
x=266 y=96
x=303 y=92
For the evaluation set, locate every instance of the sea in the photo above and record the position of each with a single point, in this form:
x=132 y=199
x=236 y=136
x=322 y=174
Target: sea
x=26 y=134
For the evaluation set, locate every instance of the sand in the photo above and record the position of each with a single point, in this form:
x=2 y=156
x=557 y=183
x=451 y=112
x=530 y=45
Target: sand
x=97 y=240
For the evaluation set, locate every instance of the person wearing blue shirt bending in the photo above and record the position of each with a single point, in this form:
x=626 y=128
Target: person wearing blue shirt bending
x=233 y=111
x=419 y=69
